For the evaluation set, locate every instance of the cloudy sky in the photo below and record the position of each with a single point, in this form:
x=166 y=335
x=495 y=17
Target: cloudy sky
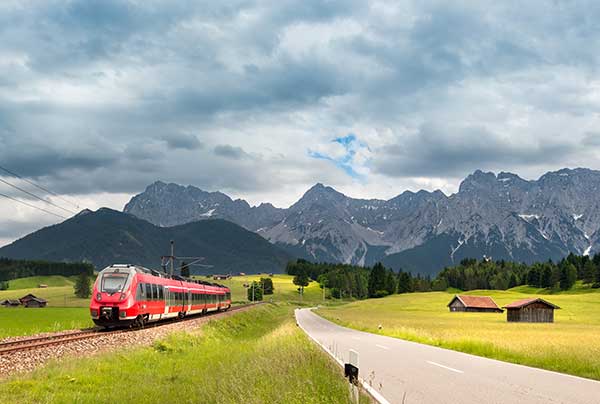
x=261 y=99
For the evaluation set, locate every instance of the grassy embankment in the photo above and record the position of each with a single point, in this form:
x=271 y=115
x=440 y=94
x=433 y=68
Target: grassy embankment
x=259 y=356
x=570 y=345
x=65 y=311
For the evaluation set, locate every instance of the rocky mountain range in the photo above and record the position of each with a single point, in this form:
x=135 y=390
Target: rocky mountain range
x=501 y=216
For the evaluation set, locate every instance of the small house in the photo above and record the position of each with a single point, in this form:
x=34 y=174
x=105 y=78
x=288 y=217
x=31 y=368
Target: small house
x=27 y=297
x=10 y=303
x=42 y=286
x=221 y=277
x=531 y=310
x=36 y=302
x=484 y=304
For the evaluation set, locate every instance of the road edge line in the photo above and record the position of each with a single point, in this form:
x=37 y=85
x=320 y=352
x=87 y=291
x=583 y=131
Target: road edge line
x=374 y=393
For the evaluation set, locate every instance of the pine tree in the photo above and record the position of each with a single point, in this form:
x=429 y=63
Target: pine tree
x=82 y=286
x=377 y=281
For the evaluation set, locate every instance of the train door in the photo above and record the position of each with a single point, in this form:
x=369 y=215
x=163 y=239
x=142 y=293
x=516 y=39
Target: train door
x=166 y=296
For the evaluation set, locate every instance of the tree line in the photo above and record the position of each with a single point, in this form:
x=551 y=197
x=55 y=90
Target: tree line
x=13 y=269
x=351 y=281
x=473 y=274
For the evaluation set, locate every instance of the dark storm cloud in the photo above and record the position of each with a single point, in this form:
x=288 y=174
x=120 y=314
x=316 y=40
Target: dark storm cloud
x=443 y=150
x=230 y=152
x=183 y=141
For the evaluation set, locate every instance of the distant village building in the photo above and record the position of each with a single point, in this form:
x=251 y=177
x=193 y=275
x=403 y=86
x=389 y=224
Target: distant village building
x=532 y=310
x=221 y=277
x=42 y=285
x=36 y=302
x=30 y=300
x=27 y=297
x=483 y=304
x=10 y=303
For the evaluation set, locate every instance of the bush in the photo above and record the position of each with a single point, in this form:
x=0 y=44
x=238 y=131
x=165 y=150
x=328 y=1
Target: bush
x=380 y=293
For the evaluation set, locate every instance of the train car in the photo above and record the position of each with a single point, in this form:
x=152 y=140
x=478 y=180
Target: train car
x=126 y=295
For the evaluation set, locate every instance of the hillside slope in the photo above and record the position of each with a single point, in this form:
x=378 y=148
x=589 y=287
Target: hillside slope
x=106 y=236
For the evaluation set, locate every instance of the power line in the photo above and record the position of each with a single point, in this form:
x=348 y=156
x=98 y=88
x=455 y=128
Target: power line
x=38 y=186
x=32 y=206
x=37 y=197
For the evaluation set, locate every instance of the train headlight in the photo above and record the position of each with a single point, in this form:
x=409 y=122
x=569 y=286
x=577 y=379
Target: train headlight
x=98 y=296
x=122 y=297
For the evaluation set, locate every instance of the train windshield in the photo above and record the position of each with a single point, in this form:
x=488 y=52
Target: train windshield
x=114 y=282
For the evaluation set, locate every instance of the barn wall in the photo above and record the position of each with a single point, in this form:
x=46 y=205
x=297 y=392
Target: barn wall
x=456 y=305
x=535 y=313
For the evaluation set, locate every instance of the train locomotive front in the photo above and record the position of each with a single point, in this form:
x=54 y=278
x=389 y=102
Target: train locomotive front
x=126 y=295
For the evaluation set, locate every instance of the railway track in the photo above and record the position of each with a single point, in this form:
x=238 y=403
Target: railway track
x=59 y=339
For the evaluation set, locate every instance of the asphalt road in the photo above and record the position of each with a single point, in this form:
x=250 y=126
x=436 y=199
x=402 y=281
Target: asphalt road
x=408 y=372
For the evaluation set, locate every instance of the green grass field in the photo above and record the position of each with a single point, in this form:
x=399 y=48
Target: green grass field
x=33 y=282
x=16 y=321
x=255 y=357
x=570 y=345
x=284 y=289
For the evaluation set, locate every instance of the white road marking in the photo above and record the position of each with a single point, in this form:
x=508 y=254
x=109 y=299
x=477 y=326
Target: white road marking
x=382 y=347
x=445 y=367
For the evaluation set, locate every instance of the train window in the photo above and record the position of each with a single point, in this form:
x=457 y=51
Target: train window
x=140 y=292
x=161 y=295
x=148 y=291
x=154 y=292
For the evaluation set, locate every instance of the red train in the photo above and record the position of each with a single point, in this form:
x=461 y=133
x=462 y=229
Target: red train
x=126 y=295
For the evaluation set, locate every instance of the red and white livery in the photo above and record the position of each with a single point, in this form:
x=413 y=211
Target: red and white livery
x=130 y=294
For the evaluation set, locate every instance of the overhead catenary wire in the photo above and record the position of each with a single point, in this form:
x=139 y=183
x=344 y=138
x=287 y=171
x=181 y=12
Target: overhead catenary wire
x=38 y=186
x=36 y=196
x=32 y=206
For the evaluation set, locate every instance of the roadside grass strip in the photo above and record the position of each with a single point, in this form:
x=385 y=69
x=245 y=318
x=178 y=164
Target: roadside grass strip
x=255 y=357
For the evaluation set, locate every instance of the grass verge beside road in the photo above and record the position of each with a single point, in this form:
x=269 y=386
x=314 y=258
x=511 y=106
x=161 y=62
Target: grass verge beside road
x=570 y=345
x=259 y=356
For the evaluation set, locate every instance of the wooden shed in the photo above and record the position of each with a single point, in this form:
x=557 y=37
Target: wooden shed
x=35 y=302
x=27 y=297
x=483 y=304
x=10 y=303
x=531 y=310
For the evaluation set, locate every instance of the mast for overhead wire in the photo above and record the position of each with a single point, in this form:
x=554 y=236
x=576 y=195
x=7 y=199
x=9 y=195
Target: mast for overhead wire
x=172 y=259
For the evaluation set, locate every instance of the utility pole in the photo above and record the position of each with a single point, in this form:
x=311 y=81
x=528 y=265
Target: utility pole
x=172 y=256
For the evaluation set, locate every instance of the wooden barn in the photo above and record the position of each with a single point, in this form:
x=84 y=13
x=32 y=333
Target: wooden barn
x=484 y=304
x=532 y=310
x=10 y=303
x=35 y=302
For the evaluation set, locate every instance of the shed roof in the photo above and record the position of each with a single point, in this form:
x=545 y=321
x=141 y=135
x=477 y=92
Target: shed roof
x=526 y=302
x=38 y=299
x=479 y=302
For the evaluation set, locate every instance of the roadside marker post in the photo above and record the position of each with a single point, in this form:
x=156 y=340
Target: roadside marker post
x=351 y=372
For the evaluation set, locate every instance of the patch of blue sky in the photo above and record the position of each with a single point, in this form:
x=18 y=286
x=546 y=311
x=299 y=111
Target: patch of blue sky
x=345 y=162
